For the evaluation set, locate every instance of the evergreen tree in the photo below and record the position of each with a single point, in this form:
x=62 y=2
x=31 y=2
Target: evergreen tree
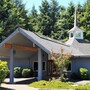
x=55 y=9
x=60 y=25
x=12 y=13
x=85 y=19
x=65 y=22
x=53 y=20
x=44 y=19
x=33 y=19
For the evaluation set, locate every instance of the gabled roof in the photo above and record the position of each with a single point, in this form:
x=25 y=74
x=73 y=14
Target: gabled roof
x=48 y=44
x=81 y=45
x=45 y=43
x=76 y=28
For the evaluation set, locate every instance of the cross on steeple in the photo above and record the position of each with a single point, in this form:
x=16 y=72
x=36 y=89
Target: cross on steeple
x=75 y=18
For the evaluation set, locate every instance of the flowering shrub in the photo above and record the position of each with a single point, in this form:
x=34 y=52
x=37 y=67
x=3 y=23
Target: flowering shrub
x=61 y=59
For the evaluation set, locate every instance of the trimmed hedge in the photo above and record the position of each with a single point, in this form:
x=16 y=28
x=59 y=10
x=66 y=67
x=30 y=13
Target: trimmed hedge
x=17 y=72
x=26 y=73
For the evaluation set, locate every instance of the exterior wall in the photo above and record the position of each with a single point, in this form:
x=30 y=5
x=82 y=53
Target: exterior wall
x=44 y=58
x=28 y=62
x=78 y=63
x=18 y=62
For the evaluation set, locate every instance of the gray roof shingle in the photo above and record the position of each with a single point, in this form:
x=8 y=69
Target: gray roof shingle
x=77 y=47
x=51 y=44
x=47 y=43
x=81 y=45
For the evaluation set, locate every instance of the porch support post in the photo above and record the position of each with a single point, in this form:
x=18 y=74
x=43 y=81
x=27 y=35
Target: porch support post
x=11 y=66
x=39 y=64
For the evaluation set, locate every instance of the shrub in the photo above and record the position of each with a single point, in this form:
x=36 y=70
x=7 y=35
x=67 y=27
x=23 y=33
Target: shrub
x=27 y=73
x=64 y=77
x=8 y=74
x=83 y=73
x=3 y=70
x=17 y=72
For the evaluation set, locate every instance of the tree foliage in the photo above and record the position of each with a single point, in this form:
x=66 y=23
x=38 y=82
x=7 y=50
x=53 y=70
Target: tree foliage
x=3 y=70
x=52 y=20
x=44 y=18
x=61 y=59
x=12 y=13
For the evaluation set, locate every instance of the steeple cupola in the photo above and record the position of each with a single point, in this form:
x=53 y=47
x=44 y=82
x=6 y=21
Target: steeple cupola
x=76 y=32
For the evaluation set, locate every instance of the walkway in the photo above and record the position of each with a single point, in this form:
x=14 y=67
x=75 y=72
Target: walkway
x=16 y=87
x=83 y=82
x=20 y=84
x=21 y=80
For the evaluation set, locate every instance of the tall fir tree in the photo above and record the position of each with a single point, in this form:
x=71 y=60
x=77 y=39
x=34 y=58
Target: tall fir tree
x=33 y=19
x=12 y=13
x=55 y=9
x=65 y=22
x=85 y=19
x=44 y=19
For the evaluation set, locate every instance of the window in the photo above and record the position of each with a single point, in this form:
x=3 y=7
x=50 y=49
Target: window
x=43 y=66
x=78 y=34
x=71 y=34
x=35 y=67
x=69 y=67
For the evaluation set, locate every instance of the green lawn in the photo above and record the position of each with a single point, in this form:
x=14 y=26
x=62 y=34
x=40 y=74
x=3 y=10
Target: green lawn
x=51 y=84
x=82 y=87
x=58 y=85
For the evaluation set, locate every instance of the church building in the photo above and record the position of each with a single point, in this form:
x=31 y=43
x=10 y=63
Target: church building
x=27 y=49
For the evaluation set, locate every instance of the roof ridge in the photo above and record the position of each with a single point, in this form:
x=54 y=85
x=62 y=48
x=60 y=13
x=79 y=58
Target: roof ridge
x=50 y=39
x=46 y=38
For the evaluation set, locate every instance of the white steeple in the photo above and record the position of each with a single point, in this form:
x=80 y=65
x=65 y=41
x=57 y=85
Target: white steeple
x=76 y=32
x=75 y=17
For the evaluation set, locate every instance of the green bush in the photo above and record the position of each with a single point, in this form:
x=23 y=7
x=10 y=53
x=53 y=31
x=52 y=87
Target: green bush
x=64 y=77
x=17 y=72
x=83 y=73
x=3 y=70
x=27 y=73
x=8 y=74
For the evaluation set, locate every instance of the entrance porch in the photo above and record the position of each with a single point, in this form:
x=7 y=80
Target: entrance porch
x=19 y=51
